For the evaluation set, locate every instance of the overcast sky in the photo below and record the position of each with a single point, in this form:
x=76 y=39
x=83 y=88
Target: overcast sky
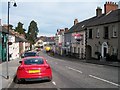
x=50 y=15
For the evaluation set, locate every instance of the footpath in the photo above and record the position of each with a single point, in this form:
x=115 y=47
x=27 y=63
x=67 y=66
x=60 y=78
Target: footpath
x=12 y=68
x=100 y=62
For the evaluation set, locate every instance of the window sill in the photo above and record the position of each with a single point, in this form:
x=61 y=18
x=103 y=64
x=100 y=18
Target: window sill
x=90 y=38
x=97 y=37
x=105 y=38
x=114 y=37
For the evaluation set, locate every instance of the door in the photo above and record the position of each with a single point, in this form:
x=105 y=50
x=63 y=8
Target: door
x=105 y=51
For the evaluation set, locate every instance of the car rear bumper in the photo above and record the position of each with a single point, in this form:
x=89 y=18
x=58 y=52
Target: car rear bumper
x=35 y=76
x=37 y=79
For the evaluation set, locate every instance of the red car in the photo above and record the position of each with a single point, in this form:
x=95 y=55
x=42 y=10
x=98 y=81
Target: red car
x=33 y=68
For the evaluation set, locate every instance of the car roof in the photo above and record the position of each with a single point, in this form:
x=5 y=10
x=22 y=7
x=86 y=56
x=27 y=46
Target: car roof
x=33 y=57
x=30 y=52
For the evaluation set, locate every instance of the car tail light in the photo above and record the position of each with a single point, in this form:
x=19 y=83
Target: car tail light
x=47 y=67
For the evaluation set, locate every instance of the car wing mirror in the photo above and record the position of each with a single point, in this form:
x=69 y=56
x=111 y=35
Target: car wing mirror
x=22 y=56
x=20 y=62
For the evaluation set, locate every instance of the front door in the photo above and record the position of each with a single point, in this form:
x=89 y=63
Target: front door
x=105 y=51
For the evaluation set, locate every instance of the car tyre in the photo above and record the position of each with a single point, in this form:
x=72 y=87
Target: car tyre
x=50 y=79
x=16 y=80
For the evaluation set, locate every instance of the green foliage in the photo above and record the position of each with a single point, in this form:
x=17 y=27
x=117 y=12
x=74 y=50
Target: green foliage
x=32 y=32
x=20 y=29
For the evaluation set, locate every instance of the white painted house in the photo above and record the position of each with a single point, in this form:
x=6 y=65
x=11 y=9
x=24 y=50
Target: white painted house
x=14 y=48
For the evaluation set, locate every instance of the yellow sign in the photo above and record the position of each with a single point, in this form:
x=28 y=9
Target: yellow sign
x=34 y=71
x=47 y=48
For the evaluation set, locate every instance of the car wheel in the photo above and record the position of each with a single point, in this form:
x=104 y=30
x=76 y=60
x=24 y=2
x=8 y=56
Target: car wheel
x=50 y=79
x=16 y=80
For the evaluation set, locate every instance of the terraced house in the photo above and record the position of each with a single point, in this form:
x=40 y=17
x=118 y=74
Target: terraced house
x=96 y=37
x=102 y=33
x=3 y=43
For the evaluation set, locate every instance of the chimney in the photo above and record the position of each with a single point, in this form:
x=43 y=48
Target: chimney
x=109 y=6
x=98 y=11
x=75 y=21
x=119 y=4
x=0 y=22
x=66 y=30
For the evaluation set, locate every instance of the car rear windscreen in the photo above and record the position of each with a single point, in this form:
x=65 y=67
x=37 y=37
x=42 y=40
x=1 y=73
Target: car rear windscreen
x=31 y=61
x=29 y=54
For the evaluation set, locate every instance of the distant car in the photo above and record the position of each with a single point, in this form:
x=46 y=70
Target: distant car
x=29 y=54
x=32 y=69
x=38 y=49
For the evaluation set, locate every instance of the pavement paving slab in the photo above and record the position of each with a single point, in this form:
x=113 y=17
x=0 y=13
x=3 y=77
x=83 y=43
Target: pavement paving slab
x=12 y=67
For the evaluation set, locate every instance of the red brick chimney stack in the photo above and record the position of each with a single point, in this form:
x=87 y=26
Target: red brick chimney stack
x=109 y=6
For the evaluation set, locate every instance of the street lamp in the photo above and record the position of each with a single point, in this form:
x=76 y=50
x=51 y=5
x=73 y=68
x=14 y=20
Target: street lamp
x=8 y=58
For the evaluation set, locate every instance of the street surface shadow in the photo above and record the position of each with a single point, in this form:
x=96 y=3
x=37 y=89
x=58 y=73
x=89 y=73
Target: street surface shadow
x=35 y=82
x=30 y=82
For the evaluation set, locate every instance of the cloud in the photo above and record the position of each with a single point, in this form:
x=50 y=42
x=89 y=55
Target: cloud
x=50 y=15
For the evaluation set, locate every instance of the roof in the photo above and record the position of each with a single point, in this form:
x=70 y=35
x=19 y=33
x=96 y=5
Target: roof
x=81 y=25
x=110 y=17
x=20 y=39
x=46 y=39
x=4 y=30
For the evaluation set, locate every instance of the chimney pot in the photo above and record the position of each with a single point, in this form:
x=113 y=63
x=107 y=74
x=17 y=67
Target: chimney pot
x=109 y=6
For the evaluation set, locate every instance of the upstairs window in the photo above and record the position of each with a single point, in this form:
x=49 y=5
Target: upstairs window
x=90 y=34
x=106 y=33
x=114 y=31
x=98 y=33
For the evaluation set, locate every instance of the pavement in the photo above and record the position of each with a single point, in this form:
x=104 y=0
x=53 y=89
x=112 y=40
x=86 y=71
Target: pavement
x=12 y=67
x=13 y=64
x=100 y=62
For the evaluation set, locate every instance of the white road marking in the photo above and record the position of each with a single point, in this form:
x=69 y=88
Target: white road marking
x=104 y=80
x=53 y=82
x=74 y=69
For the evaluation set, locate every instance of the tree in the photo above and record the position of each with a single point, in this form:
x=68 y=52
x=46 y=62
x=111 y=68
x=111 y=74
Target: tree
x=20 y=29
x=32 y=32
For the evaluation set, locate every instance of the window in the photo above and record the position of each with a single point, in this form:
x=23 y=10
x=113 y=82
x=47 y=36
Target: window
x=98 y=33
x=114 y=50
x=74 y=49
x=114 y=31
x=33 y=61
x=27 y=54
x=82 y=40
x=90 y=33
x=106 y=33
x=79 y=50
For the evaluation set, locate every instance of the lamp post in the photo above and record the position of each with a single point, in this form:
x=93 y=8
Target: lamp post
x=8 y=58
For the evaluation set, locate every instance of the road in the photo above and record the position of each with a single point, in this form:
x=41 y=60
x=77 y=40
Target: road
x=74 y=74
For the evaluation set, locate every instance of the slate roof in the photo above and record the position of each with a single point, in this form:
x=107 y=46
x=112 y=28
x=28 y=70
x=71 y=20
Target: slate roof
x=4 y=30
x=45 y=39
x=81 y=25
x=111 y=17
x=20 y=39
x=48 y=39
